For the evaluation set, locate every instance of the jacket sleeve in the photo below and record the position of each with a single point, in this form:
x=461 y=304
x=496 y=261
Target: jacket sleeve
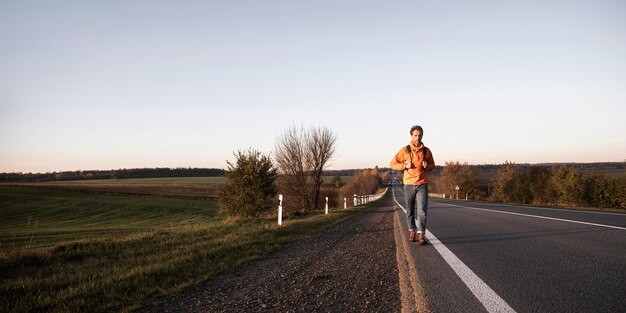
x=397 y=162
x=430 y=161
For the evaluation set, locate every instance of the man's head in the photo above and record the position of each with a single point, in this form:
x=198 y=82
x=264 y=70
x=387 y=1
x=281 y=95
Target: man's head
x=416 y=134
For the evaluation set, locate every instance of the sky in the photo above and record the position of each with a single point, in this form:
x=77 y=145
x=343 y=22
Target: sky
x=88 y=85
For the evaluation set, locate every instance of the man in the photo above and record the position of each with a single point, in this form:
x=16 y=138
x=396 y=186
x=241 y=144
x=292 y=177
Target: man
x=415 y=160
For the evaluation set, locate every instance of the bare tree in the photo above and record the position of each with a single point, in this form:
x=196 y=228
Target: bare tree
x=290 y=160
x=301 y=156
x=320 y=149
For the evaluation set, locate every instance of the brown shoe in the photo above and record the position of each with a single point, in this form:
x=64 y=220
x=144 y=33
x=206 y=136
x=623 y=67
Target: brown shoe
x=412 y=235
x=421 y=238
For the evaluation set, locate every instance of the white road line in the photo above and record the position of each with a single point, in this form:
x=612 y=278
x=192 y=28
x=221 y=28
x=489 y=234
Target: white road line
x=561 y=210
x=536 y=216
x=489 y=298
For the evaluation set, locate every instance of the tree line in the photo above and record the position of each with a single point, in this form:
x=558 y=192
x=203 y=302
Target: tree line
x=111 y=174
x=558 y=184
x=133 y=173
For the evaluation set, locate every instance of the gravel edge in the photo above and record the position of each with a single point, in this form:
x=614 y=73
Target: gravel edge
x=351 y=266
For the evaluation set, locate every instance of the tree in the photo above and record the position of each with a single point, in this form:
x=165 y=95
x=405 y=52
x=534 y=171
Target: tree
x=566 y=185
x=505 y=182
x=385 y=177
x=366 y=182
x=336 y=181
x=538 y=182
x=290 y=158
x=250 y=187
x=320 y=149
x=601 y=191
x=301 y=156
x=462 y=175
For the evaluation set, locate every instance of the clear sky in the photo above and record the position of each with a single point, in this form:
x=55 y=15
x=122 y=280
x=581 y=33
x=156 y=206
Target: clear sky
x=124 y=84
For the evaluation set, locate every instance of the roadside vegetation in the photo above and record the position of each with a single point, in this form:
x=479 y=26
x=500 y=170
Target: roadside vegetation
x=71 y=251
x=560 y=185
x=301 y=156
x=366 y=182
x=250 y=189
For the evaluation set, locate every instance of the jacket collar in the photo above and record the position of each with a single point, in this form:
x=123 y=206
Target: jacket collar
x=417 y=148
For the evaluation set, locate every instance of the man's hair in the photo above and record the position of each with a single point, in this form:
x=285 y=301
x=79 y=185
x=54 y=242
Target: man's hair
x=418 y=128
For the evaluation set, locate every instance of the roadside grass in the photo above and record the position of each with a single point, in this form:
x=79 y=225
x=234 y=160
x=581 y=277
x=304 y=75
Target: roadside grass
x=70 y=251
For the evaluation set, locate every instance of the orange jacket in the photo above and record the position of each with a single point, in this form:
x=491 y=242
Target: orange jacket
x=416 y=175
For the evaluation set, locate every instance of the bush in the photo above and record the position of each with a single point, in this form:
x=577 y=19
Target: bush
x=566 y=186
x=505 y=188
x=462 y=175
x=364 y=183
x=250 y=187
x=601 y=191
x=333 y=196
x=538 y=181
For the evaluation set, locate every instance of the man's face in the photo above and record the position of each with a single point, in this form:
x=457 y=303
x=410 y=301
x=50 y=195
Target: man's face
x=416 y=136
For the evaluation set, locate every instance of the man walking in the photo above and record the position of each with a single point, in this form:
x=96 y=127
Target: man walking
x=415 y=160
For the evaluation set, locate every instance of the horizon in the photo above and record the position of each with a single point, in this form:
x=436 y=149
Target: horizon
x=156 y=84
x=325 y=170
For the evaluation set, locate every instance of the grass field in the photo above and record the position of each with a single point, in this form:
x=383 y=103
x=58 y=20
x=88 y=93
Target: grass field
x=198 y=188
x=71 y=251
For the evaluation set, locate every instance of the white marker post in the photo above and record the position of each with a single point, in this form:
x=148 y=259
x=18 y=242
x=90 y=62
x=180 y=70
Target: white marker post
x=326 y=205
x=345 y=204
x=355 y=199
x=280 y=209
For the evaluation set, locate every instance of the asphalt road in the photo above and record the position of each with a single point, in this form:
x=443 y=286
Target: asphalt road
x=520 y=259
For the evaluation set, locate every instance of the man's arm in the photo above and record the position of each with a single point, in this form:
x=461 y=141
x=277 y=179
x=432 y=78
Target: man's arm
x=397 y=162
x=430 y=161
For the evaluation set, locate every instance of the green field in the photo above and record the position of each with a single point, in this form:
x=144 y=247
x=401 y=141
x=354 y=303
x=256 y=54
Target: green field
x=72 y=251
x=39 y=217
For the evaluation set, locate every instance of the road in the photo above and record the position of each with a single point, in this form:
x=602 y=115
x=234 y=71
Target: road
x=506 y=258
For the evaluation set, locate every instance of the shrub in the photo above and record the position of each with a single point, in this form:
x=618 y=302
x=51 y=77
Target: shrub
x=505 y=183
x=566 y=186
x=538 y=181
x=250 y=188
x=462 y=175
x=364 y=183
x=601 y=191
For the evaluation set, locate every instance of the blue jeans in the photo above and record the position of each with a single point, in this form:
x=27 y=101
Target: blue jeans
x=416 y=197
